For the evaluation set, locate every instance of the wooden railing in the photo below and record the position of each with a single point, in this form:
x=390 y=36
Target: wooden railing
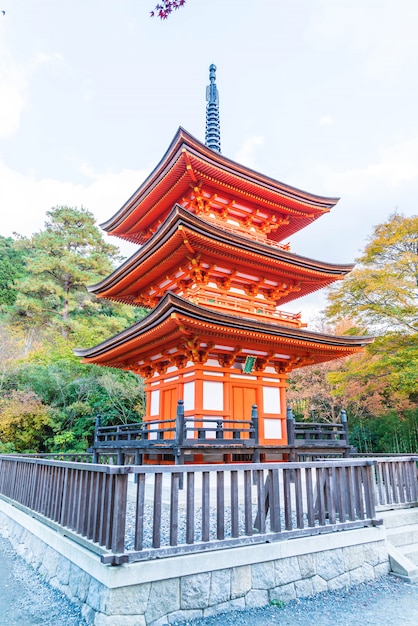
x=219 y=507
x=396 y=480
x=243 y=308
x=175 y=436
x=192 y=431
x=88 y=500
x=72 y=457
x=187 y=433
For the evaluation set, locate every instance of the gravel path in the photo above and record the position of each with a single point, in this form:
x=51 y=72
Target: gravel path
x=26 y=599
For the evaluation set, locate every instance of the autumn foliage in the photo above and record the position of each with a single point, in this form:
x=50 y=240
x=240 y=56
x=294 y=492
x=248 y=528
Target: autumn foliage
x=379 y=387
x=25 y=422
x=163 y=9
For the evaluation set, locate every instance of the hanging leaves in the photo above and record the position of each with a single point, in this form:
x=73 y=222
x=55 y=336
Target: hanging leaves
x=163 y=10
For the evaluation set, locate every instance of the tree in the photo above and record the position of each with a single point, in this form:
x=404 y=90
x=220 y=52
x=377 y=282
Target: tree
x=68 y=392
x=381 y=294
x=49 y=399
x=312 y=395
x=11 y=268
x=61 y=261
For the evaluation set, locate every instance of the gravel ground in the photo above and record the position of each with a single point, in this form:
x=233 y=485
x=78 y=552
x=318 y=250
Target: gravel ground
x=26 y=599
x=386 y=602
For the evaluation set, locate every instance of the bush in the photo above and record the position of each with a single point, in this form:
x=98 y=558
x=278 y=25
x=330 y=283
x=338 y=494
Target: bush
x=25 y=422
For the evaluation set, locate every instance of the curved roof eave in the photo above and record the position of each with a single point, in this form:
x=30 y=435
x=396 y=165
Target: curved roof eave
x=172 y=304
x=181 y=217
x=183 y=139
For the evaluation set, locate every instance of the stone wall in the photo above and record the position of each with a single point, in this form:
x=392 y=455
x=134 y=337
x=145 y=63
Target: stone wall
x=157 y=593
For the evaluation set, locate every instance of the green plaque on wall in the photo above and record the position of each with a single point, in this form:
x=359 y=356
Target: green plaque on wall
x=249 y=364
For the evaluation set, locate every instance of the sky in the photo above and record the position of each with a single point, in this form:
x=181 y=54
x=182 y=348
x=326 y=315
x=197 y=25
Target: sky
x=319 y=94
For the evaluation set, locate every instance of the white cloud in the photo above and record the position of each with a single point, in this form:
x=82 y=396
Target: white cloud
x=13 y=94
x=326 y=120
x=48 y=58
x=383 y=32
x=24 y=198
x=245 y=154
x=394 y=166
x=14 y=85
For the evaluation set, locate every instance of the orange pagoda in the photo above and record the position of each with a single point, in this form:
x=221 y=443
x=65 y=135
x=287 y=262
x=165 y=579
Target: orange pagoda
x=213 y=270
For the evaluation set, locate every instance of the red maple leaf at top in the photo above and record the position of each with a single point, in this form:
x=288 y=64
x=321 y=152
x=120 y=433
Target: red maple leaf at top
x=168 y=6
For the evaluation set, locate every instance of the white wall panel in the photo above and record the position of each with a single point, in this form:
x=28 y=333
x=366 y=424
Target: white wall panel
x=271 y=400
x=213 y=396
x=155 y=402
x=189 y=398
x=272 y=429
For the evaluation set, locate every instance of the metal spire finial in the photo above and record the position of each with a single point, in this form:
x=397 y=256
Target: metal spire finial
x=213 y=128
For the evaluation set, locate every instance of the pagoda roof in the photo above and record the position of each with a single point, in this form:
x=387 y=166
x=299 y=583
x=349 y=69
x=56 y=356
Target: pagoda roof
x=189 y=164
x=175 y=323
x=184 y=235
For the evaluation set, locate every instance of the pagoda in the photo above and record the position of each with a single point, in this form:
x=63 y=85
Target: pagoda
x=213 y=270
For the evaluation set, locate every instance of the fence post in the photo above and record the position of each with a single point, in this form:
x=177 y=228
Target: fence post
x=180 y=423
x=254 y=428
x=117 y=539
x=344 y=422
x=178 y=450
x=97 y=425
x=290 y=425
x=370 y=489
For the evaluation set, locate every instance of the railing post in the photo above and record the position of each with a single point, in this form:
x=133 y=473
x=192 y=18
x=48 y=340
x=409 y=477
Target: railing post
x=117 y=538
x=179 y=437
x=254 y=422
x=97 y=425
x=370 y=489
x=254 y=428
x=290 y=425
x=344 y=422
x=180 y=423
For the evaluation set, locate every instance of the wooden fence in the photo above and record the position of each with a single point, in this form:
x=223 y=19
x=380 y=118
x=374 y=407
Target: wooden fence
x=131 y=513
x=186 y=434
x=396 y=481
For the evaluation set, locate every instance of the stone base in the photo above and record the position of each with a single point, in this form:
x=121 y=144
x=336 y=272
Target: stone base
x=177 y=589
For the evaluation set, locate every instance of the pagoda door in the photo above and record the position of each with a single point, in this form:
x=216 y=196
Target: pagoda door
x=243 y=399
x=169 y=399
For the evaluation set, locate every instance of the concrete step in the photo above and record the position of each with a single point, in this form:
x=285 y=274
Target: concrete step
x=403 y=535
x=399 y=517
x=402 y=541
x=411 y=553
x=402 y=566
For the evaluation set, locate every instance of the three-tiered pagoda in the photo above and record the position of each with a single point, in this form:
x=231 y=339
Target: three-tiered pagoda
x=213 y=270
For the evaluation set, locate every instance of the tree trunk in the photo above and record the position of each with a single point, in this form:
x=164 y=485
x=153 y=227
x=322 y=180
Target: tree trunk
x=65 y=310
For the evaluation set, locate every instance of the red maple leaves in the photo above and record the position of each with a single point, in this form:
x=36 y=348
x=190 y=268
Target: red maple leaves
x=168 y=6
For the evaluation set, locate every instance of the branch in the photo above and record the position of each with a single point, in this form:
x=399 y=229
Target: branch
x=168 y=6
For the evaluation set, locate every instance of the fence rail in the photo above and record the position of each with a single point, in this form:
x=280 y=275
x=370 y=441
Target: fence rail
x=220 y=506
x=205 y=434
x=396 y=480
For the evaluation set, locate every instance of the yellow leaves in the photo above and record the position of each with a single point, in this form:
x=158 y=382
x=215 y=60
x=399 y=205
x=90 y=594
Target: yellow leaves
x=24 y=421
x=381 y=293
